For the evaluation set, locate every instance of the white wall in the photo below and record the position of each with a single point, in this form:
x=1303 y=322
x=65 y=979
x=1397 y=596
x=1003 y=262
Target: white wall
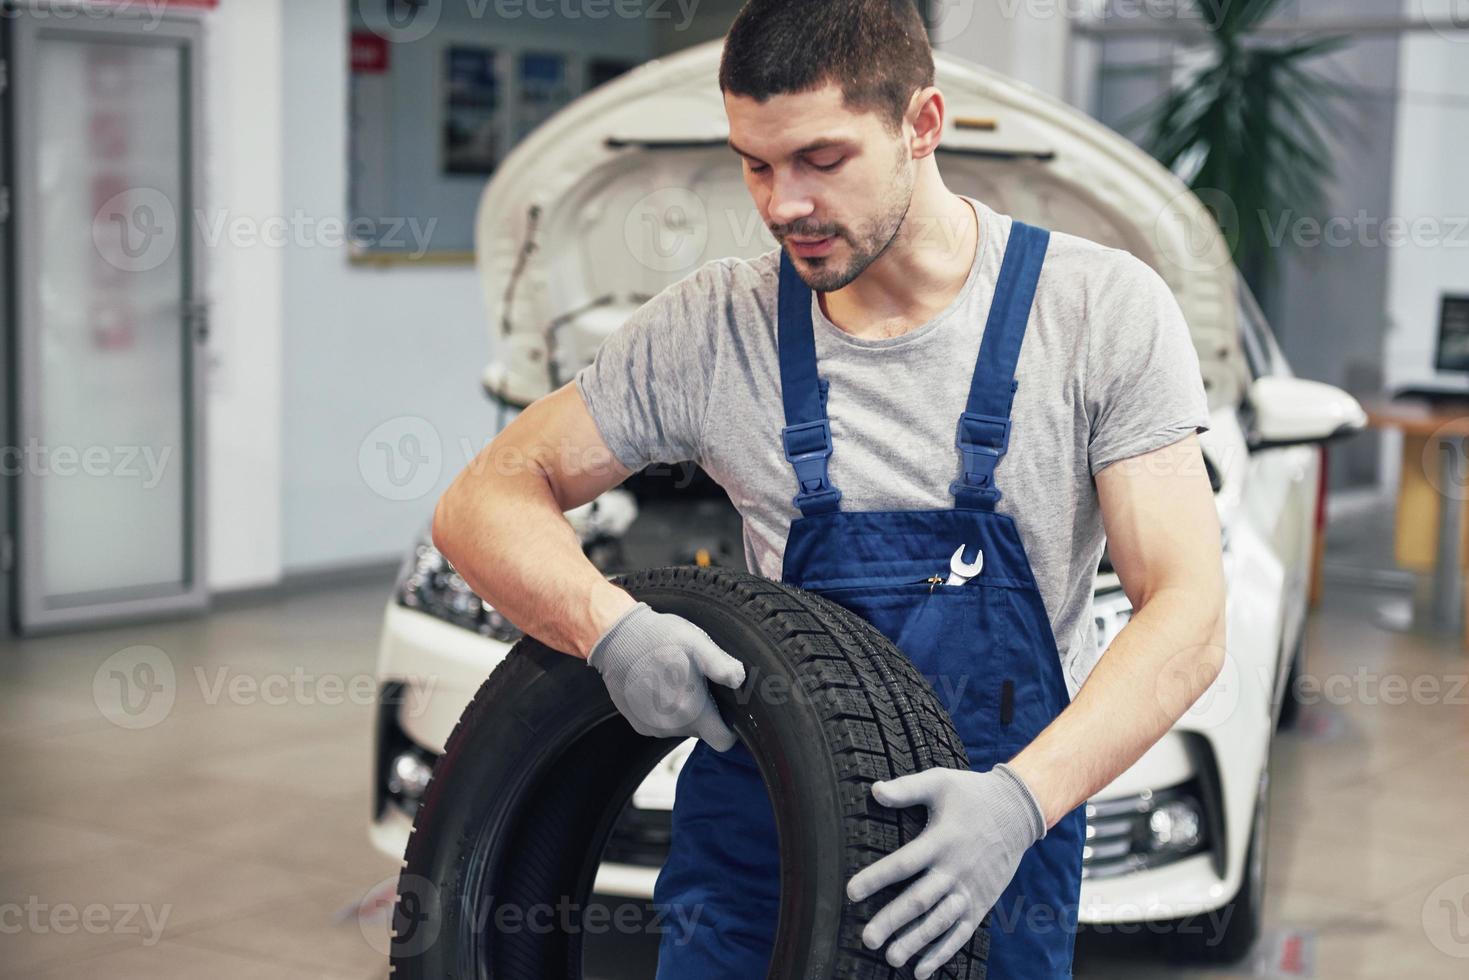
x=397 y=350
x=1432 y=143
x=242 y=178
x=1429 y=185
x=1029 y=42
x=342 y=399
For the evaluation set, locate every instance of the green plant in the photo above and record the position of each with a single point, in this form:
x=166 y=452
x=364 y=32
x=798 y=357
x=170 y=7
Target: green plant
x=1245 y=130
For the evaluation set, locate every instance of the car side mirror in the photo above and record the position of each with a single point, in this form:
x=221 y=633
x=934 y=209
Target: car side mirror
x=1296 y=412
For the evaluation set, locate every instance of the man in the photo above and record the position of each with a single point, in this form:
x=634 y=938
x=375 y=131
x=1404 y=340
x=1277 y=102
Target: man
x=838 y=366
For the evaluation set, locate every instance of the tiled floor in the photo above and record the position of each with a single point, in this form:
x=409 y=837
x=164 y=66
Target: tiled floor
x=228 y=839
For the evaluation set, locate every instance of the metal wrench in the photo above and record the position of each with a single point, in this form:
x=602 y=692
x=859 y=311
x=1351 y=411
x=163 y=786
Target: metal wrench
x=961 y=571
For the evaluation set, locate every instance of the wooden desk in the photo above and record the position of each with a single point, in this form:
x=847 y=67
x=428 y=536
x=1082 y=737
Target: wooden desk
x=1430 y=528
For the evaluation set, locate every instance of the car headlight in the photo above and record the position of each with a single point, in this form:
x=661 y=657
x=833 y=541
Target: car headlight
x=430 y=584
x=1148 y=829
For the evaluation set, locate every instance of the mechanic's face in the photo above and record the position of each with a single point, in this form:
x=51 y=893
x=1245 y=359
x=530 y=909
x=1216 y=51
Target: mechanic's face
x=832 y=185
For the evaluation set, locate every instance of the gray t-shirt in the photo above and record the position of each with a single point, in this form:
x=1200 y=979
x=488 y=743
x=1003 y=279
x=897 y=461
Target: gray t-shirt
x=1107 y=370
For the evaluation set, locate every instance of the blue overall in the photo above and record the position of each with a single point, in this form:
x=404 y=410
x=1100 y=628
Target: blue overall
x=985 y=646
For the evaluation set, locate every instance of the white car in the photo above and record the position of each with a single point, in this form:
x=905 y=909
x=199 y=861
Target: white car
x=630 y=188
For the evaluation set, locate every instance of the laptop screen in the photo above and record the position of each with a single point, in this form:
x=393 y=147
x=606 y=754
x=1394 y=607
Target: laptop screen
x=1453 y=335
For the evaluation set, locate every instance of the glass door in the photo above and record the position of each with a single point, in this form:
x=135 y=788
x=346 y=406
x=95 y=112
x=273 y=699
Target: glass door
x=109 y=326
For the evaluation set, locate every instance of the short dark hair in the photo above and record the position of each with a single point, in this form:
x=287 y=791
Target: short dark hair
x=876 y=50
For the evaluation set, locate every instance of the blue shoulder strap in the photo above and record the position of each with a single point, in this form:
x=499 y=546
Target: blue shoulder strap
x=984 y=428
x=807 y=433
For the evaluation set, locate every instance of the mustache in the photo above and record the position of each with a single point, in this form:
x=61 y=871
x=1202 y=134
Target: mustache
x=807 y=230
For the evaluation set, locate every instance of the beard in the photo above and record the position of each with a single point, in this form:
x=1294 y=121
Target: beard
x=829 y=273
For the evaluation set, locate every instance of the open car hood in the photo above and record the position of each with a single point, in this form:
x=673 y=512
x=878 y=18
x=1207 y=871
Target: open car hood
x=632 y=186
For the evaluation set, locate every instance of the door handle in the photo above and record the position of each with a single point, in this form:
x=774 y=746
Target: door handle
x=196 y=318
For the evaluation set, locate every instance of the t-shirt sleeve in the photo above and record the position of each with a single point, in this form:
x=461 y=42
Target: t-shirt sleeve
x=648 y=386
x=1144 y=389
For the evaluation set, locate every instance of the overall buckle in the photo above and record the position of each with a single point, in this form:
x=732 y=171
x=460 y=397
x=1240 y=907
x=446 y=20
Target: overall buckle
x=982 y=440
x=808 y=449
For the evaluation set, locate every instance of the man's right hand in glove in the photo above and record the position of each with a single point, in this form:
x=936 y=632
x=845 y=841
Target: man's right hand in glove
x=655 y=665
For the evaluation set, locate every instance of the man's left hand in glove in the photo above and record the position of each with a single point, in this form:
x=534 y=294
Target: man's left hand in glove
x=980 y=824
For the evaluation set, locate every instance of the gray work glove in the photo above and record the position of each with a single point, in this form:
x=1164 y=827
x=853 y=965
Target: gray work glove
x=980 y=824
x=655 y=664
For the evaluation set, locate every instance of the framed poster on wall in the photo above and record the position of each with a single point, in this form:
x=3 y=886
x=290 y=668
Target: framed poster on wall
x=472 y=108
x=600 y=70
x=544 y=88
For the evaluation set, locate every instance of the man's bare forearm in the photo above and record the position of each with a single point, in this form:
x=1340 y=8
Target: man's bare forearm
x=1154 y=669
x=507 y=536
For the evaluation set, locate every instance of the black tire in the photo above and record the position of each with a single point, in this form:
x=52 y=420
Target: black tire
x=540 y=765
